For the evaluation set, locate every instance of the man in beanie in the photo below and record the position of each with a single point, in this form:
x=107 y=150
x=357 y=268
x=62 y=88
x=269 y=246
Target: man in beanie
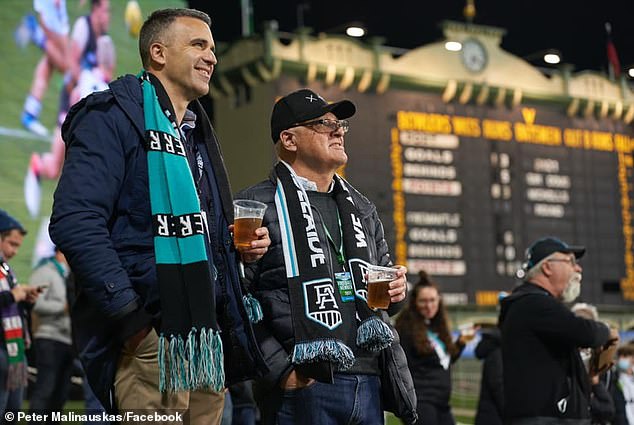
x=311 y=283
x=14 y=299
x=545 y=381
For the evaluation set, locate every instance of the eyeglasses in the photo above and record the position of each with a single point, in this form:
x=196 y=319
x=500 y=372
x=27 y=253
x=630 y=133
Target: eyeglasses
x=571 y=260
x=325 y=125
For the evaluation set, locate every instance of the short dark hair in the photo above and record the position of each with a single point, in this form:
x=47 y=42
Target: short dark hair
x=158 y=23
x=6 y=233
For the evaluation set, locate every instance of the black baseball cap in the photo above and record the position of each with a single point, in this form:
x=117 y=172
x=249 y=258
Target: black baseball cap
x=303 y=105
x=542 y=248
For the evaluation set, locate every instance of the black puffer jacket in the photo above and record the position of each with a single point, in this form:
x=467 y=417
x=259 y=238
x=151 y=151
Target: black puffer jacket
x=266 y=279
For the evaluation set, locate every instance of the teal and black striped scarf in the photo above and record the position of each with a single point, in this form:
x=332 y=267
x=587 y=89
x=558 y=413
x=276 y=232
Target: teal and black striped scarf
x=190 y=349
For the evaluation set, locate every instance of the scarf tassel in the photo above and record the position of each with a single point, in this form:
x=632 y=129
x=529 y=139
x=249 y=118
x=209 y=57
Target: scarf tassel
x=374 y=335
x=191 y=364
x=254 y=310
x=323 y=350
x=17 y=376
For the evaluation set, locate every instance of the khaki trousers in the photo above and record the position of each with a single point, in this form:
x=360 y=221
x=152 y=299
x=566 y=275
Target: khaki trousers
x=136 y=388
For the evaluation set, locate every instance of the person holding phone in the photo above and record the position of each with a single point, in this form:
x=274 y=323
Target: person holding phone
x=14 y=305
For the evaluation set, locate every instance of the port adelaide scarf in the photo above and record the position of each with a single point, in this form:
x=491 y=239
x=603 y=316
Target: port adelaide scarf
x=315 y=295
x=190 y=349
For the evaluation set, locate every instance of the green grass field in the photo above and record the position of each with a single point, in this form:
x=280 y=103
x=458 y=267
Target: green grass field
x=16 y=74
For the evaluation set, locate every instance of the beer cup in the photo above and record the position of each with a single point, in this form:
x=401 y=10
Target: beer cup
x=467 y=332
x=247 y=218
x=379 y=279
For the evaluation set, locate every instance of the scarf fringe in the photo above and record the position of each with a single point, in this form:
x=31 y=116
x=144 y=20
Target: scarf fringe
x=323 y=350
x=374 y=334
x=18 y=376
x=254 y=310
x=191 y=364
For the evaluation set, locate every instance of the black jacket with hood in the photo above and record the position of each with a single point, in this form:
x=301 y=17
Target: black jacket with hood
x=543 y=372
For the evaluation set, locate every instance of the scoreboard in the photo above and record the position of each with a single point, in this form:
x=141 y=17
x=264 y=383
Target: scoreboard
x=463 y=190
x=467 y=167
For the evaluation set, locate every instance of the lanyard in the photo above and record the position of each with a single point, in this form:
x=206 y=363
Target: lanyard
x=341 y=259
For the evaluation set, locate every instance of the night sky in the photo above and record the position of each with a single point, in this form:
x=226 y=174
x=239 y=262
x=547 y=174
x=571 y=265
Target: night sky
x=576 y=28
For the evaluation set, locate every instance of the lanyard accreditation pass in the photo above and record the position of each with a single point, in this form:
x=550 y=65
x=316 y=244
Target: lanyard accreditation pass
x=344 y=279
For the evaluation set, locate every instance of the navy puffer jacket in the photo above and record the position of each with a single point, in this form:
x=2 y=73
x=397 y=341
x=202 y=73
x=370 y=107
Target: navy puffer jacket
x=102 y=222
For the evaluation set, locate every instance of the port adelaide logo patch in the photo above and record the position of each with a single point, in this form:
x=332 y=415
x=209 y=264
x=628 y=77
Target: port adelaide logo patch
x=320 y=304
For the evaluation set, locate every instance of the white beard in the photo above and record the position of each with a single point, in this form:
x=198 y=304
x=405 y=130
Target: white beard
x=573 y=289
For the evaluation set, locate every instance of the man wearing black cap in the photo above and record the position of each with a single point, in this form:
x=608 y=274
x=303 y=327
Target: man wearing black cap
x=318 y=334
x=545 y=381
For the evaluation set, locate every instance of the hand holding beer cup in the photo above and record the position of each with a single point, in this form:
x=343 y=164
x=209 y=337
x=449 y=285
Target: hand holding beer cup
x=467 y=332
x=603 y=357
x=385 y=285
x=249 y=237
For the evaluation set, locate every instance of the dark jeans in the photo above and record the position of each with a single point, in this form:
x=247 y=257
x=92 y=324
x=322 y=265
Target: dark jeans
x=54 y=368
x=352 y=399
x=93 y=405
x=10 y=401
x=243 y=404
x=430 y=414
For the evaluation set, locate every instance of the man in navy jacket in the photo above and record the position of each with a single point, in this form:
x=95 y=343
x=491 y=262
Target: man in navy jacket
x=103 y=223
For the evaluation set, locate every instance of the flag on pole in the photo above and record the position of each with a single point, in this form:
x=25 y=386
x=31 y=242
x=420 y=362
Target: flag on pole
x=614 y=65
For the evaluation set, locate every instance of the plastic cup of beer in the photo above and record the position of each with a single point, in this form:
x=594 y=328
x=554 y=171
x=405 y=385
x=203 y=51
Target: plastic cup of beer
x=379 y=279
x=467 y=332
x=247 y=218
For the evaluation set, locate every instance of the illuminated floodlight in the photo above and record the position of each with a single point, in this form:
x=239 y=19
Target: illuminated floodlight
x=355 y=31
x=453 y=46
x=552 y=58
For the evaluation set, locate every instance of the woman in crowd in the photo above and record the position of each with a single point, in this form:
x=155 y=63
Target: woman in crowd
x=426 y=339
